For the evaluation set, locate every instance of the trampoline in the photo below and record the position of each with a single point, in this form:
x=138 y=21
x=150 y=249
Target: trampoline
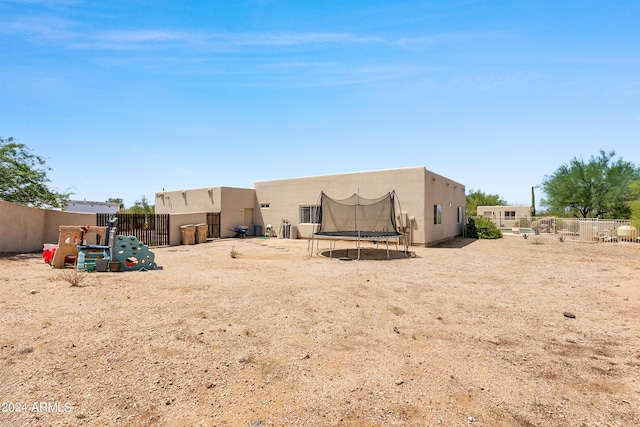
x=359 y=219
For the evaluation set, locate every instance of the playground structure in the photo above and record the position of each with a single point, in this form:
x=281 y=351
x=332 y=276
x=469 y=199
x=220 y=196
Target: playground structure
x=94 y=248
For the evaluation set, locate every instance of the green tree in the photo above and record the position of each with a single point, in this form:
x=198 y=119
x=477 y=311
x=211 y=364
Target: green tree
x=597 y=189
x=477 y=198
x=23 y=177
x=141 y=206
x=634 y=204
x=119 y=201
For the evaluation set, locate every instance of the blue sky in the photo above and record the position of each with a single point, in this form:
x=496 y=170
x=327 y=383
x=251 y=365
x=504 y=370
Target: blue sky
x=125 y=98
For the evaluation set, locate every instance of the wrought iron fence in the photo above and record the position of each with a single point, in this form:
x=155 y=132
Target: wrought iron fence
x=576 y=229
x=150 y=229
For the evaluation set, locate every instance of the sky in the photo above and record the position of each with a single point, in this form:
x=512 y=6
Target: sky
x=126 y=98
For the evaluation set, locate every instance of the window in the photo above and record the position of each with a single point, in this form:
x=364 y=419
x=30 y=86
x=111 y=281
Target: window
x=309 y=214
x=264 y=205
x=459 y=214
x=510 y=215
x=437 y=214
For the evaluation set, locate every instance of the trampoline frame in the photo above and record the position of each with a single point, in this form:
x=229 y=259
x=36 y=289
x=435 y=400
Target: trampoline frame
x=358 y=235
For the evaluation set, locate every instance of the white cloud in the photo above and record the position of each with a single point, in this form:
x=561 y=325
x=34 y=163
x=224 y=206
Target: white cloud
x=444 y=38
x=38 y=28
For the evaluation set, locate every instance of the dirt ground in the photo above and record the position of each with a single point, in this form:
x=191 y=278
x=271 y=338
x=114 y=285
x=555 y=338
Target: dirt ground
x=466 y=333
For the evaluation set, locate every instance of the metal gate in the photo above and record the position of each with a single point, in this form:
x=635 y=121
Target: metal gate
x=213 y=225
x=150 y=229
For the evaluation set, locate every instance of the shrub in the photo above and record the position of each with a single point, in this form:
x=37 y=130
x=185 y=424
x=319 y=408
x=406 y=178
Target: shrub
x=73 y=277
x=483 y=228
x=233 y=253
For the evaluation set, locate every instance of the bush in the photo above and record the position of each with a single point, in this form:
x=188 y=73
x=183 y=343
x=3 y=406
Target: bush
x=233 y=253
x=73 y=277
x=483 y=228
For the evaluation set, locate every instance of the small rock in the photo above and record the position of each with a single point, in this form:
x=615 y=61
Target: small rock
x=399 y=382
x=569 y=315
x=396 y=330
x=33 y=292
x=256 y=423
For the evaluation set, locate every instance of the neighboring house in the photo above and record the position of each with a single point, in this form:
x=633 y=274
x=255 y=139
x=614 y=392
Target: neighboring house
x=507 y=216
x=432 y=206
x=92 y=207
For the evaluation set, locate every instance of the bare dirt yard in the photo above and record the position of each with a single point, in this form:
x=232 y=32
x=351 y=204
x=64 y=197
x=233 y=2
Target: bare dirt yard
x=466 y=333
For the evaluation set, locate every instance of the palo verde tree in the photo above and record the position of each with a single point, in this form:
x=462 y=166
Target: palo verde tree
x=477 y=198
x=23 y=177
x=599 y=188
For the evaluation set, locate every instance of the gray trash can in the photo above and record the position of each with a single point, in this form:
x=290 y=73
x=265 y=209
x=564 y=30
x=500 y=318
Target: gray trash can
x=257 y=230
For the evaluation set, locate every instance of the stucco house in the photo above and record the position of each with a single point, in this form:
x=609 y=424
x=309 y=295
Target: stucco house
x=432 y=205
x=507 y=216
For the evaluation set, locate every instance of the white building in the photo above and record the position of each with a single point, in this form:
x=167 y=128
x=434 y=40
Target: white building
x=92 y=207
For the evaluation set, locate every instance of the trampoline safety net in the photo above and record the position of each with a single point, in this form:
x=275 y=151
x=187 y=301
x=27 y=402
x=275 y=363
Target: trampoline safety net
x=356 y=216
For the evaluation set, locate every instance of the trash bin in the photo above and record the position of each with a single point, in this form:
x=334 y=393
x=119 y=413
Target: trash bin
x=188 y=232
x=293 y=232
x=201 y=233
x=257 y=230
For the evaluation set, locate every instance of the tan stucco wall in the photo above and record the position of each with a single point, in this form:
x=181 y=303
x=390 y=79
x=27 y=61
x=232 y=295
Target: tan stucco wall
x=237 y=206
x=21 y=228
x=450 y=195
x=496 y=214
x=54 y=219
x=416 y=197
x=188 y=201
x=24 y=229
x=176 y=220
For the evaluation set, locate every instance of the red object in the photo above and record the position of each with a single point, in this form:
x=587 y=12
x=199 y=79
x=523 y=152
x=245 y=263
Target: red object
x=47 y=254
